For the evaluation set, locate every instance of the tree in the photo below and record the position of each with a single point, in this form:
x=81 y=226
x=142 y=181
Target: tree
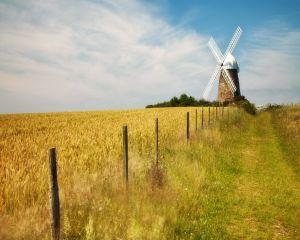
x=174 y=101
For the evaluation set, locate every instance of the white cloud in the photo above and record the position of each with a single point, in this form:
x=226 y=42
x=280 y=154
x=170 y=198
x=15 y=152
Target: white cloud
x=107 y=55
x=270 y=63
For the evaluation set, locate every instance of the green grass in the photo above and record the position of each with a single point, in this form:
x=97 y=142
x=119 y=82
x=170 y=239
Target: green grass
x=250 y=191
x=239 y=179
x=267 y=192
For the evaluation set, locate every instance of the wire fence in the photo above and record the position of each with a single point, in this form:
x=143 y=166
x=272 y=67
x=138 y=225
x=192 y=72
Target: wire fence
x=214 y=114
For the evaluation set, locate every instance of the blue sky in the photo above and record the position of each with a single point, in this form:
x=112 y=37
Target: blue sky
x=84 y=55
x=222 y=14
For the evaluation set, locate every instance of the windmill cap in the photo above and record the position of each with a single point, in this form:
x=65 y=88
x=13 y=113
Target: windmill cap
x=230 y=62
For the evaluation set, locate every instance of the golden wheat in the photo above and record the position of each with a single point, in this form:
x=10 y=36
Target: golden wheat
x=88 y=151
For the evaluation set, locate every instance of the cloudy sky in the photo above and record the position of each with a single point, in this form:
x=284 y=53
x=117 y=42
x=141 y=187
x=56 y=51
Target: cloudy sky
x=115 y=54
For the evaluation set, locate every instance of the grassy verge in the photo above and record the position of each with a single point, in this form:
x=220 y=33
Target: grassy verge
x=287 y=123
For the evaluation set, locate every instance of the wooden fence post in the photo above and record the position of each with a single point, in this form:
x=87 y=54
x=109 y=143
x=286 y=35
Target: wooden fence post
x=196 y=121
x=54 y=196
x=187 y=126
x=156 y=141
x=222 y=109
x=202 y=119
x=227 y=113
x=208 y=115
x=125 y=154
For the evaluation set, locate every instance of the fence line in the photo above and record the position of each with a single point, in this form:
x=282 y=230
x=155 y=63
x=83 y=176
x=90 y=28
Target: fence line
x=53 y=184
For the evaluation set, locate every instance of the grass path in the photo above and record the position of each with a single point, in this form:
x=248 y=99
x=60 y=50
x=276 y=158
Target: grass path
x=246 y=187
x=265 y=204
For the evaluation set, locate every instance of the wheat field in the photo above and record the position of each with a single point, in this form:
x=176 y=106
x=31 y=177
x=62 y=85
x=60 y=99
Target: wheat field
x=233 y=180
x=89 y=152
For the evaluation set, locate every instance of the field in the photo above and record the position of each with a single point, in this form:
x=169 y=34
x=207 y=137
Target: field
x=237 y=178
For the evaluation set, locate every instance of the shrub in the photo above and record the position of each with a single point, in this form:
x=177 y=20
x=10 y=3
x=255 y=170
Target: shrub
x=271 y=107
x=244 y=103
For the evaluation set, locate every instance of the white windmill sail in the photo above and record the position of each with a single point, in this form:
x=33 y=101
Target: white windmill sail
x=215 y=50
x=236 y=36
x=211 y=82
x=221 y=59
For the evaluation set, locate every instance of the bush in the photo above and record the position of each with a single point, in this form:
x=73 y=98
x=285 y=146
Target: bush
x=185 y=101
x=249 y=107
x=244 y=103
x=271 y=107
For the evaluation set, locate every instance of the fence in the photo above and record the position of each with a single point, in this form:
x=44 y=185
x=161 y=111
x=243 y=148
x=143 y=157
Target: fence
x=214 y=114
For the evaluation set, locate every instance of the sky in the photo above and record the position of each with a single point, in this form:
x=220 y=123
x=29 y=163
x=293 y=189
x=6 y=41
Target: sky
x=64 y=55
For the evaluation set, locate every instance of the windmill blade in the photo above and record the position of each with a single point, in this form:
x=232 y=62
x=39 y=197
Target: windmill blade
x=215 y=50
x=229 y=81
x=233 y=42
x=209 y=86
x=236 y=39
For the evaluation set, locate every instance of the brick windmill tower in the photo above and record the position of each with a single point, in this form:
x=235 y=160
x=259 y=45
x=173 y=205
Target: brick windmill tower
x=227 y=69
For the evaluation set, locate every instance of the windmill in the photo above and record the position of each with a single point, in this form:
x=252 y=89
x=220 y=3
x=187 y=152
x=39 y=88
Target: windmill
x=226 y=70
